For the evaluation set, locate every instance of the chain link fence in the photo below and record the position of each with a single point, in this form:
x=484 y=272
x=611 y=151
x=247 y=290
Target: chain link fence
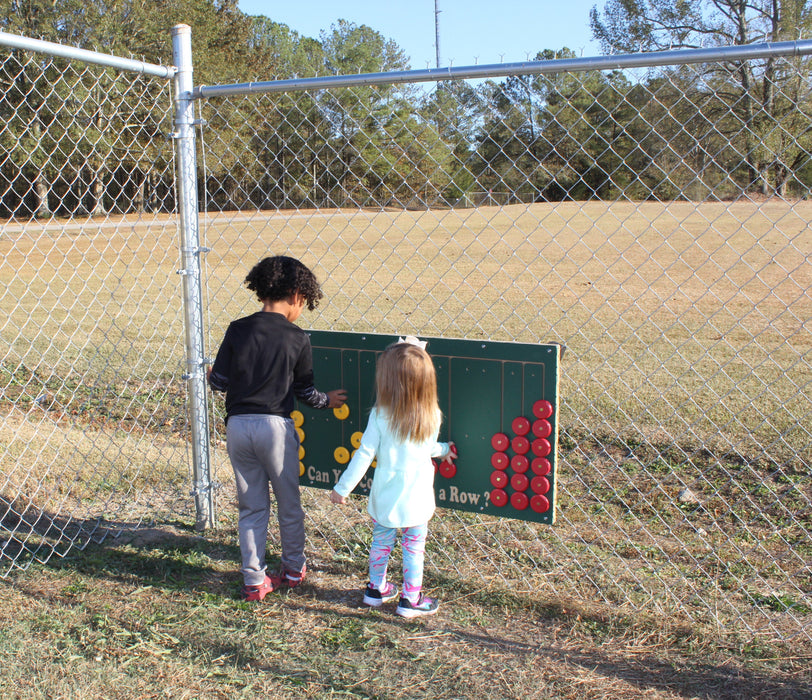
x=653 y=220
x=93 y=428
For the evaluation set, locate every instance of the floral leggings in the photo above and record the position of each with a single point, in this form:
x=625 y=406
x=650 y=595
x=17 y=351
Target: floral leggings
x=413 y=544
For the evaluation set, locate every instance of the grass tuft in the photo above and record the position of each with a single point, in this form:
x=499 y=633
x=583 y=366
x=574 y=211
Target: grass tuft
x=161 y=617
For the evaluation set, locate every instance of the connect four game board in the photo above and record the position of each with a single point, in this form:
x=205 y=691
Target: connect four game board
x=500 y=407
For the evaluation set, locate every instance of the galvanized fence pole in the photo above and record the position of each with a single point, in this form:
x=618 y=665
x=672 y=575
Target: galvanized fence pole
x=24 y=43
x=191 y=251
x=497 y=70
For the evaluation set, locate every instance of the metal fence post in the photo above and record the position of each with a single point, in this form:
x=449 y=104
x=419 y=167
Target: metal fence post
x=191 y=250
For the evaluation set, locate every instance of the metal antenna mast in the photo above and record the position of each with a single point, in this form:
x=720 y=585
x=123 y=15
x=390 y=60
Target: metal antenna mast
x=437 y=30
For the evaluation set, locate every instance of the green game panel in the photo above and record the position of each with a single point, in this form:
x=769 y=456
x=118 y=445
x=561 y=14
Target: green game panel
x=500 y=407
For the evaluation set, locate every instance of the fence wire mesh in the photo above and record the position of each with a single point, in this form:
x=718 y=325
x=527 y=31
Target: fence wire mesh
x=655 y=222
x=93 y=421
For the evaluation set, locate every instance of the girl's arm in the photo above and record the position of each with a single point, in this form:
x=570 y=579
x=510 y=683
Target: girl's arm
x=442 y=449
x=359 y=463
x=445 y=451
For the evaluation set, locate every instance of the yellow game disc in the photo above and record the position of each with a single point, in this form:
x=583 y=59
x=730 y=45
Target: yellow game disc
x=355 y=439
x=342 y=412
x=298 y=418
x=301 y=452
x=342 y=455
x=301 y=469
x=301 y=434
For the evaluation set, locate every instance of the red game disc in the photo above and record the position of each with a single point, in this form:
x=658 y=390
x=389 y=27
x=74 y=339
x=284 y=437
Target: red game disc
x=519 y=501
x=519 y=464
x=520 y=425
x=499 y=498
x=542 y=428
x=520 y=445
x=519 y=482
x=448 y=469
x=539 y=503
x=500 y=442
x=541 y=466
x=499 y=479
x=539 y=484
x=542 y=409
x=541 y=447
x=499 y=460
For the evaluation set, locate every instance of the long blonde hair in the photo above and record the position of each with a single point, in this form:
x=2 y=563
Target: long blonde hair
x=406 y=387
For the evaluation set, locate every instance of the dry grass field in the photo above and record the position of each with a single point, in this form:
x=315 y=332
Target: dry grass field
x=158 y=617
x=687 y=361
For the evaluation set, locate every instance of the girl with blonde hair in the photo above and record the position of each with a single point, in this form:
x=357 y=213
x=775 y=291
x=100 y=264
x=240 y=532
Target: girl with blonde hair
x=402 y=434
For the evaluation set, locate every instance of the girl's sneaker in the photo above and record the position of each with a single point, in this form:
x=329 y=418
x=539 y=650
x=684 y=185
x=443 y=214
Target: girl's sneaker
x=423 y=606
x=259 y=591
x=375 y=598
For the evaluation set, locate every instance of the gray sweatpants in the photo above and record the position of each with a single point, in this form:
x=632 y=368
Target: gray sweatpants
x=265 y=449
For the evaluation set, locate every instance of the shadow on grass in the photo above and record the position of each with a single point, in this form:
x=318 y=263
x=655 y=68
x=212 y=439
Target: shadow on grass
x=174 y=557
x=696 y=679
x=689 y=675
x=170 y=554
x=169 y=557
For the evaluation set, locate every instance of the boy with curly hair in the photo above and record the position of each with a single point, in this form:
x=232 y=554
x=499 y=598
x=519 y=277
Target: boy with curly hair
x=263 y=362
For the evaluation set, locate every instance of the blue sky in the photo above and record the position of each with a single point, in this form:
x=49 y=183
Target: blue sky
x=471 y=31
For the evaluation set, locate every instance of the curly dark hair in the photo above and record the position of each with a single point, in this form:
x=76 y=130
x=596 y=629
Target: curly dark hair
x=279 y=277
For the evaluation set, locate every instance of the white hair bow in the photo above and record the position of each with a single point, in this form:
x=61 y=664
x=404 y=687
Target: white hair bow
x=412 y=340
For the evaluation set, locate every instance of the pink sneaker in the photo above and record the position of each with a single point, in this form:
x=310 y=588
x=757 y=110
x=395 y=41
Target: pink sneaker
x=258 y=592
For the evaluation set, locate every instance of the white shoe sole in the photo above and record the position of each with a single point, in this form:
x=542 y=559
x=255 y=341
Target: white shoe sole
x=411 y=612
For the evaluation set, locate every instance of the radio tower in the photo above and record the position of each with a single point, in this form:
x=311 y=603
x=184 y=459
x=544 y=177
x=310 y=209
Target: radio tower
x=437 y=30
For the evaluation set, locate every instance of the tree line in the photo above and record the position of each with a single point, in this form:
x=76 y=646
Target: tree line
x=80 y=140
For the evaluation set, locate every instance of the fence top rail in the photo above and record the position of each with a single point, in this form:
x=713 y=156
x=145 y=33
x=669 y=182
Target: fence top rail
x=15 y=41
x=613 y=62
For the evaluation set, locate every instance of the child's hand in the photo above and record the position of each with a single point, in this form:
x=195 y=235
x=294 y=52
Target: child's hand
x=336 y=497
x=337 y=397
x=452 y=453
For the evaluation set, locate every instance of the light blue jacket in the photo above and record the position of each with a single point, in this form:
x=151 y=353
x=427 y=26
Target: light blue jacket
x=402 y=493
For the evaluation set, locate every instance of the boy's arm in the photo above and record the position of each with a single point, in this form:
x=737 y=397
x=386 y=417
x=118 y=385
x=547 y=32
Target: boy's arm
x=218 y=372
x=316 y=399
x=304 y=388
x=310 y=395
